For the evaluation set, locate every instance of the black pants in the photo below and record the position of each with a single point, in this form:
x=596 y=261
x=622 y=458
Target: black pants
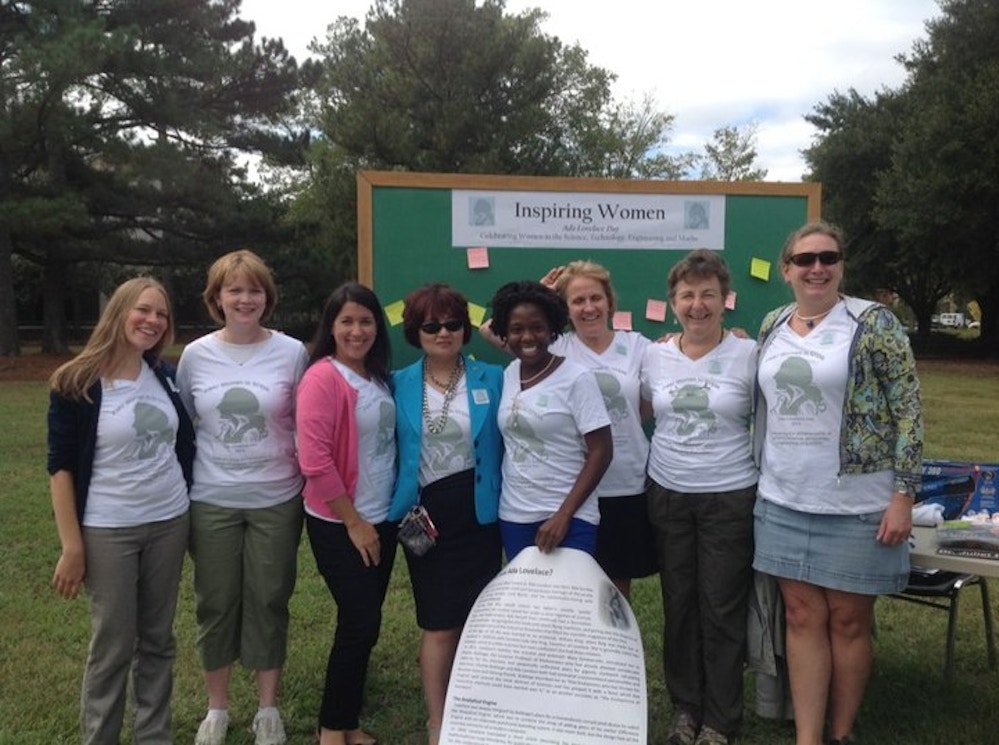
x=359 y=592
x=705 y=548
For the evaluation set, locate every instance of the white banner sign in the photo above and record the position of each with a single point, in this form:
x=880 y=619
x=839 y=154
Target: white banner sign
x=512 y=219
x=551 y=653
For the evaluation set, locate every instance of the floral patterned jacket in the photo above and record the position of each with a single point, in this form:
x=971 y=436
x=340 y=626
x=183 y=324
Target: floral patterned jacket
x=882 y=426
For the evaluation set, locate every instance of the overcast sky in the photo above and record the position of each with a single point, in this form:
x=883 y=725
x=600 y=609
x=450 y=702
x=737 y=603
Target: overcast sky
x=710 y=63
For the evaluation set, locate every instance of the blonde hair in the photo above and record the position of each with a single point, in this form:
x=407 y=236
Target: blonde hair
x=587 y=270
x=108 y=347
x=229 y=266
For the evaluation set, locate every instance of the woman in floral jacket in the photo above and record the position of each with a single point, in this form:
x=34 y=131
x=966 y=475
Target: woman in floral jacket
x=839 y=441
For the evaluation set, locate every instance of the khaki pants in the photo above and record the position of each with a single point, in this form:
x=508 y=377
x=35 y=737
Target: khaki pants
x=132 y=579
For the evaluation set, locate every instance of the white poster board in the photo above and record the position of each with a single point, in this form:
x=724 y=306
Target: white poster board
x=551 y=653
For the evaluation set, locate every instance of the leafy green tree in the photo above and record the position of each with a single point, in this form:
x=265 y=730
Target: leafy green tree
x=731 y=155
x=853 y=157
x=913 y=174
x=460 y=86
x=124 y=127
x=632 y=144
x=943 y=186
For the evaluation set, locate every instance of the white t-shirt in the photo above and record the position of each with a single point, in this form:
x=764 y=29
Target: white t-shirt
x=244 y=418
x=617 y=371
x=543 y=429
x=803 y=381
x=137 y=478
x=702 y=407
x=376 y=451
x=450 y=451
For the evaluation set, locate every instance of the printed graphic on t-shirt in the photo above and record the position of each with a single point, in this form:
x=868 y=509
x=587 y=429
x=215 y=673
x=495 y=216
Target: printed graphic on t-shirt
x=614 y=400
x=241 y=421
x=797 y=394
x=523 y=439
x=448 y=451
x=694 y=417
x=152 y=431
x=385 y=441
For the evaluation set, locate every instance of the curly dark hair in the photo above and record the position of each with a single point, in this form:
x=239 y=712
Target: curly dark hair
x=436 y=300
x=512 y=294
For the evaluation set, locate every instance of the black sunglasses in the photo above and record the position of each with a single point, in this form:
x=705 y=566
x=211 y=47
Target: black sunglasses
x=432 y=327
x=807 y=258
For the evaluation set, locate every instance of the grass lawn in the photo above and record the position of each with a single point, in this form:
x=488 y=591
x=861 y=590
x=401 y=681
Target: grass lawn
x=43 y=638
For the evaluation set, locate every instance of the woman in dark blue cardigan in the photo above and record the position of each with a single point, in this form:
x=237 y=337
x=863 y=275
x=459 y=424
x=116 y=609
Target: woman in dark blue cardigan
x=120 y=453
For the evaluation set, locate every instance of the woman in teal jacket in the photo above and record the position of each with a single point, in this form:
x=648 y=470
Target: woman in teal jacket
x=450 y=453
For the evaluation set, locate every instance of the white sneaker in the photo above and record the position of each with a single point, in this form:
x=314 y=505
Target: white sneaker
x=213 y=728
x=268 y=728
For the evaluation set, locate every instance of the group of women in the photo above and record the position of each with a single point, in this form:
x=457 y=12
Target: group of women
x=548 y=452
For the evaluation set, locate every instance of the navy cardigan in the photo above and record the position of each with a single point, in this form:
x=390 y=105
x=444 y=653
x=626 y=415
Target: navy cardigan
x=73 y=432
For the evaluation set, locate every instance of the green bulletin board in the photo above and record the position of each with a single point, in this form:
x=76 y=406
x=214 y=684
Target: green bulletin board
x=405 y=240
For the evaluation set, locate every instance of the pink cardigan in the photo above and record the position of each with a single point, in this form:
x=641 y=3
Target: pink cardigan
x=327 y=436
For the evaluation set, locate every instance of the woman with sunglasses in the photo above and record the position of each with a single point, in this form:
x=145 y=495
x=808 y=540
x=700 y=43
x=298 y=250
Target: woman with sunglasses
x=450 y=454
x=839 y=441
x=345 y=420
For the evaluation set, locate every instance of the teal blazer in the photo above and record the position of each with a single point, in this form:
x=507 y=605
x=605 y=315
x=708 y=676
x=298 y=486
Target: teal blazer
x=487 y=442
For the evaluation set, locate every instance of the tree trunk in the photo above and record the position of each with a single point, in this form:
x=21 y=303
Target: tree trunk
x=989 y=332
x=54 y=337
x=9 y=346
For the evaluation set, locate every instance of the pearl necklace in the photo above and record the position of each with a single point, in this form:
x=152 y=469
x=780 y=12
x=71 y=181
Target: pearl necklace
x=810 y=320
x=436 y=425
x=528 y=381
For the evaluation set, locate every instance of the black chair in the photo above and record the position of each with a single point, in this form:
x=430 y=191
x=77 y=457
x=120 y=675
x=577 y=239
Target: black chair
x=939 y=589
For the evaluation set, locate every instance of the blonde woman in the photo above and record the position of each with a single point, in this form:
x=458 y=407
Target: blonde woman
x=246 y=515
x=120 y=446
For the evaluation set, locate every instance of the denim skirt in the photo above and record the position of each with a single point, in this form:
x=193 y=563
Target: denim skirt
x=838 y=552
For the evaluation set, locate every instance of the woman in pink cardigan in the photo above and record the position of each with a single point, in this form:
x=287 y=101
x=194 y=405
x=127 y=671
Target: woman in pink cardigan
x=346 y=448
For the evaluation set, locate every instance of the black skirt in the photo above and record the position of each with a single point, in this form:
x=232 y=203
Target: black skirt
x=447 y=580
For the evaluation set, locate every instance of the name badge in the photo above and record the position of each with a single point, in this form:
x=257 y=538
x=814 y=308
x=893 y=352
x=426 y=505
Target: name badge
x=480 y=396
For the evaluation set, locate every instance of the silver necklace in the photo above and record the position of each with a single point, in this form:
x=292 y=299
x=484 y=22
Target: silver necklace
x=436 y=424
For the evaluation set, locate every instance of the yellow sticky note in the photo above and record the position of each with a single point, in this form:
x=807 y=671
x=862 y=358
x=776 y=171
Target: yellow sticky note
x=622 y=320
x=730 y=301
x=477 y=314
x=760 y=268
x=394 y=312
x=655 y=310
x=478 y=257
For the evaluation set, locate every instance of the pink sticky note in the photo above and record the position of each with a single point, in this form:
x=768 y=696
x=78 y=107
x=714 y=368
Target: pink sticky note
x=478 y=257
x=730 y=301
x=655 y=310
x=622 y=320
